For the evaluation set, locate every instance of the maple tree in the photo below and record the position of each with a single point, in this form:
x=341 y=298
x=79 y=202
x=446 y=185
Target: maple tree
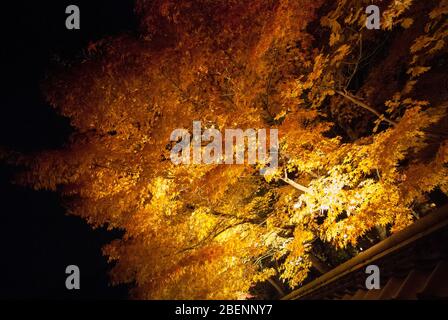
x=361 y=150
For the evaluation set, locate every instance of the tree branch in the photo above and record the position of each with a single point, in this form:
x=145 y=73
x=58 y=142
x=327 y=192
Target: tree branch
x=365 y=106
x=294 y=184
x=319 y=265
x=213 y=234
x=357 y=63
x=276 y=287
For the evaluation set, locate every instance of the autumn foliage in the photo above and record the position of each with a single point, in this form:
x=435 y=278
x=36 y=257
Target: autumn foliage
x=361 y=116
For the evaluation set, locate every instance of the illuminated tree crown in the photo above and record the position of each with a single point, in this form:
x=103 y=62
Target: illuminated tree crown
x=360 y=148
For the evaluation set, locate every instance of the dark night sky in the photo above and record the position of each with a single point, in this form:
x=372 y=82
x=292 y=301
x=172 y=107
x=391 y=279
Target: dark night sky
x=37 y=239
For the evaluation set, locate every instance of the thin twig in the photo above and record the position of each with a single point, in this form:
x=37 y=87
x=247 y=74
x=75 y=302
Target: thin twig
x=365 y=106
x=357 y=63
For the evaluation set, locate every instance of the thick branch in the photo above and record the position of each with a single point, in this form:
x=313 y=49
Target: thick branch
x=212 y=235
x=217 y=231
x=276 y=287
x=319 y=265
x=294 y=184
x=256 y=221
x=365 y=106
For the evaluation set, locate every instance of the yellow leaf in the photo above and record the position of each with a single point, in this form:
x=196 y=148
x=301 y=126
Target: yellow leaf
x=407 y=23
x=416 y=71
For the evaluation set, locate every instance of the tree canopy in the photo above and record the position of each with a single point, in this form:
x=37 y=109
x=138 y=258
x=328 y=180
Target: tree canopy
x=361 y=117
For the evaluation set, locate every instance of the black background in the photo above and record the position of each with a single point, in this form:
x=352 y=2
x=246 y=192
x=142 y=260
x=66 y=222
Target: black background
x=37 y=239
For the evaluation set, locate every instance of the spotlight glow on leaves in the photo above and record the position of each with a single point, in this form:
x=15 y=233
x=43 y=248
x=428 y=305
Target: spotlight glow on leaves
x=348 y=164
